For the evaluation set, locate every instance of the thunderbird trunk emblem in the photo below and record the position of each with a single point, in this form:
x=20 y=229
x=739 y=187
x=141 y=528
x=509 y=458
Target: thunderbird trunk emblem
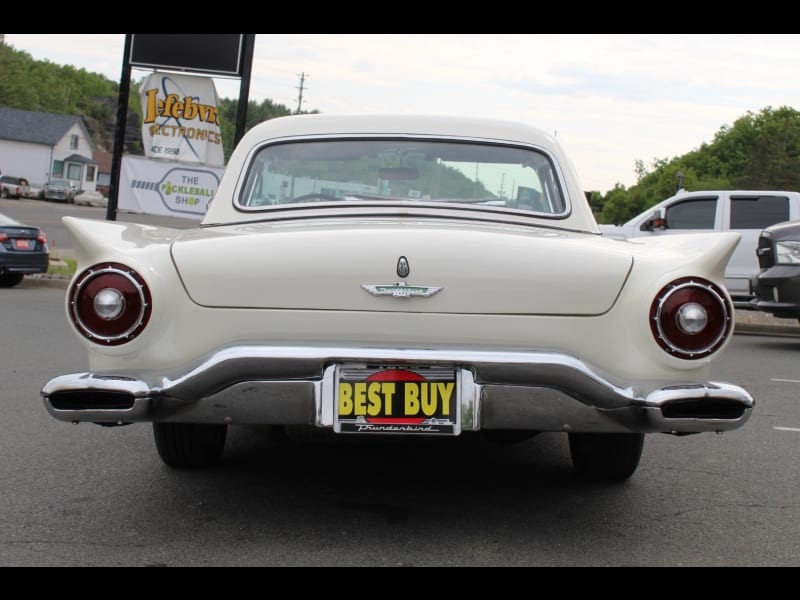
x=401 y=290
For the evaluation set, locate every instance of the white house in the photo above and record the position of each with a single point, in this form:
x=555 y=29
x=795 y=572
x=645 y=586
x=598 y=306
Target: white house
x=41 y=146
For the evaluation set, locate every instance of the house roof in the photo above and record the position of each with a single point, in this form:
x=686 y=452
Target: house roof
x=103 y=160
x=35 y=127
x=77 y=158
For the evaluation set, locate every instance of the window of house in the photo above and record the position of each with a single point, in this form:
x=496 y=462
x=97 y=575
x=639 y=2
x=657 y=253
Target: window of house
x=73 y=141
x=90 y=173
x=74 y=172
x=58 y=168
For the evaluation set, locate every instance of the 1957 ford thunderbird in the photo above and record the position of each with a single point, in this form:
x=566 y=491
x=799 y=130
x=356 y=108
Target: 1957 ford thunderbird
x=399 y=275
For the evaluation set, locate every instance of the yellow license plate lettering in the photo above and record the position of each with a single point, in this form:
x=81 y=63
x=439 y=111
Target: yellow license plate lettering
x=387 y=391
x=401 y=398
x=445 y=392
x=345 y=399
x=411 y=399
x=360 y=398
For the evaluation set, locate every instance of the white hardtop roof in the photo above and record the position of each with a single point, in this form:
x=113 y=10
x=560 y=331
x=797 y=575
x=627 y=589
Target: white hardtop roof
x=377 y=125
x=397 y=124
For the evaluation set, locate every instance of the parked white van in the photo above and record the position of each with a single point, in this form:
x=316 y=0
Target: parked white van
x=744 y=211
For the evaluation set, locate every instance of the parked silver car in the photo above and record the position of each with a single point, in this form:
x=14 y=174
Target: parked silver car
x=62 y=190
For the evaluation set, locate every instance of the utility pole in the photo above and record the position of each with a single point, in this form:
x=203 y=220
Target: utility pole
x=300 y=97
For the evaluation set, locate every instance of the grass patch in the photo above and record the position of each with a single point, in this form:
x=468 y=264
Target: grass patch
x=64 y=266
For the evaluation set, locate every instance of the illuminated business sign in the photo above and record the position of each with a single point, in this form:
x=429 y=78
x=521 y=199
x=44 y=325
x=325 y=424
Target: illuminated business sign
x=212 y=53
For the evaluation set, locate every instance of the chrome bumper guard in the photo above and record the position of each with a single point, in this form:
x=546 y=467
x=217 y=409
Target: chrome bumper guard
x=261 y=385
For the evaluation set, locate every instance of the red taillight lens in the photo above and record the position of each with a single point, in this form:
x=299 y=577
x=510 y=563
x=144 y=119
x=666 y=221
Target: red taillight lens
x=3 y=237
x=110 y=303
x=690 y=318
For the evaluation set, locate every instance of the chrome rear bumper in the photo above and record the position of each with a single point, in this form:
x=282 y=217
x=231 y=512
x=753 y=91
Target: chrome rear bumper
x=295 y=386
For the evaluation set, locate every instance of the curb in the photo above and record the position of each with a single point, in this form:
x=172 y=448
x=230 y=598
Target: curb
x=748 y=321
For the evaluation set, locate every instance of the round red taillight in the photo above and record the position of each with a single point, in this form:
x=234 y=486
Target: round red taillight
x=691 y=318
x=110 y=303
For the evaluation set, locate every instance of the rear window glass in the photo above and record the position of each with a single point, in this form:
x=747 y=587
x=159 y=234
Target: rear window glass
x=481 y=176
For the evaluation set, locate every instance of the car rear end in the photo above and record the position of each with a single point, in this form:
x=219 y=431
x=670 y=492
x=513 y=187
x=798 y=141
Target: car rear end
x=23 y=251
x=433 y=283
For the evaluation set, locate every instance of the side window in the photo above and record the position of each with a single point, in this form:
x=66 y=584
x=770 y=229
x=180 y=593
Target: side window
x=758 y=212
x=697 y=213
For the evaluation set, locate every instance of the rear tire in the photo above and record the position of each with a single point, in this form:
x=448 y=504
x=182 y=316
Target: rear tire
x=189 y=445
x=10 y=279
x=608 y=457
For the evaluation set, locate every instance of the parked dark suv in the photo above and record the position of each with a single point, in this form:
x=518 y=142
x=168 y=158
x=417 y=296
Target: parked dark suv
x=13 y=187
x=776 y=288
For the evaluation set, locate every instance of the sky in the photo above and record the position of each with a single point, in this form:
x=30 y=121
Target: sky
x=610 y=99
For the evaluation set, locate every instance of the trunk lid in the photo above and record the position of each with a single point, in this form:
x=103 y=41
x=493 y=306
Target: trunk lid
x=334 y=264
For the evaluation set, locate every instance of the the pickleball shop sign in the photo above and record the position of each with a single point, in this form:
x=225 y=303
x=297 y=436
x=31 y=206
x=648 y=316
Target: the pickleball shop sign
x=162 y=188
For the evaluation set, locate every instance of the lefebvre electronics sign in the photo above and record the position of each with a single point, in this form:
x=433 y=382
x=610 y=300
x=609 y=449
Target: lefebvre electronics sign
x=180 y=119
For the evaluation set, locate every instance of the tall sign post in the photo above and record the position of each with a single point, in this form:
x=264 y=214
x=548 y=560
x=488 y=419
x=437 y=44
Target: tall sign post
x=119 y=132
x=181 y=126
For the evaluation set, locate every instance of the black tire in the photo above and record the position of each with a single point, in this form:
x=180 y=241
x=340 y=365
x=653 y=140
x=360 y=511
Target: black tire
x=606 y=457
x=189 y=445
x=10 y=279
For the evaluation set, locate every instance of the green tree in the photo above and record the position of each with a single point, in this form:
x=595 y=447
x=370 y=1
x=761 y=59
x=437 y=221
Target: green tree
x=759 y=151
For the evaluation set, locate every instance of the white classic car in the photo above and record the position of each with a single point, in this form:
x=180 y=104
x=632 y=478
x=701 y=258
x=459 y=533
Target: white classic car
x=399 y=275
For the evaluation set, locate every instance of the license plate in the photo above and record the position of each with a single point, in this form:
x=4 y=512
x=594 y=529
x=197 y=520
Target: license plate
x=397 y=400
x=22 y=244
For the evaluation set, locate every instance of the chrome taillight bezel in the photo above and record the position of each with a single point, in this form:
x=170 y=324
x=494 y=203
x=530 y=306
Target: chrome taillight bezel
x=132 y=319
x=667 y=330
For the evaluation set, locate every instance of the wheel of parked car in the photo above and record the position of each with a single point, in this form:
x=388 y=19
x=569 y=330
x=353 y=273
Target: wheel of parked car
x=189 y=445
x=10 y=279
x=606 y=456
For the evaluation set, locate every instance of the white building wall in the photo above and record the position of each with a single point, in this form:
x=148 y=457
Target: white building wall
x=63 y=149
x=23 y=159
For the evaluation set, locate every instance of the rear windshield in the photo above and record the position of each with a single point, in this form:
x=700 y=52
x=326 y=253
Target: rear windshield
x=461 y=174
